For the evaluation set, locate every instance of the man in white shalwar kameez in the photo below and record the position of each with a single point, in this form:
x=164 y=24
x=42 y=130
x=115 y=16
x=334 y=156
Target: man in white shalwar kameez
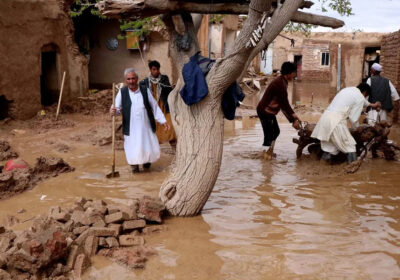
x=332 y=129
x=139 y=112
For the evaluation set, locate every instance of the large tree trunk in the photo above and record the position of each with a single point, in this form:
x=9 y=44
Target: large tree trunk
x=199 y=127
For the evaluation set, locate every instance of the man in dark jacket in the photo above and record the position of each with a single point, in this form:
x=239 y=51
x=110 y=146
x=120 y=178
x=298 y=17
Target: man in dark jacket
x=382 y=90
x=275 y=98
x=160 y=88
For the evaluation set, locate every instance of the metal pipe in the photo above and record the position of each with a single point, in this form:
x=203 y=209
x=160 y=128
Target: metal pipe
x=339 y=66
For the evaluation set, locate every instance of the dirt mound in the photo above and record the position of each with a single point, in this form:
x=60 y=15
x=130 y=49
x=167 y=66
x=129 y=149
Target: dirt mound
x=46 y=122
x=19 y=180
x=59 y=245
x=95 y=103
x=6 y=152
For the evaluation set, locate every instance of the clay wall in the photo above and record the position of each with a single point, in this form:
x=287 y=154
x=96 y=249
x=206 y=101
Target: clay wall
x=27 y=28
x=390 y=58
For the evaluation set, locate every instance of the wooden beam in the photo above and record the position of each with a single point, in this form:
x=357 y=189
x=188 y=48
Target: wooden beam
x=135 y=9
x=302 y=17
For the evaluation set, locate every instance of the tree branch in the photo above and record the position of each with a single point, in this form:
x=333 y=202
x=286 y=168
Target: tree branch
x=302 y=17
x=135 y=9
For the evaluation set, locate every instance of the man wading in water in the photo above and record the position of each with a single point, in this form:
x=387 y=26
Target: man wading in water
x=160 y=88
x=139 y=115
x=275 y=98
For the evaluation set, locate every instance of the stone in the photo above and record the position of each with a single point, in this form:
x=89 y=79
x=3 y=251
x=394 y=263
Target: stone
x=33 y=247
x=3 y=260
x=4 y=275
x=154 y=229
x=82 y=237
x=96 y=219
x=10 y=220
x=80 y=201
x=116 y=227
x=133 y=224
x=80 y=230
x=102 y=242
x=91 y=244
x=112 y=242
x=100 y=206
x=116 y=217
x=23 y=261
x=2 y=229
x=22 y=276
x=87 y=205
x=68 y=226
x=132 y=257
x=151 y=209
x=99 y=223
x=57 y=246
x=79 y=217
x=111 y=209
x=102 y=231
x=73 y=253
x=130 y=240
x=82 y=263
x=5 y=243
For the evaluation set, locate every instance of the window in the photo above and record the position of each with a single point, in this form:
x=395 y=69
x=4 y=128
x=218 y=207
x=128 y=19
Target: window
x=325 y=59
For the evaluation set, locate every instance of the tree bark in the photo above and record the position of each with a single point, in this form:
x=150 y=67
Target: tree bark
x=135 y=9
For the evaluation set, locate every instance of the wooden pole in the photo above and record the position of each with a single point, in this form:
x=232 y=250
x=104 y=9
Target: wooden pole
x=60 y=97
x=113 y=132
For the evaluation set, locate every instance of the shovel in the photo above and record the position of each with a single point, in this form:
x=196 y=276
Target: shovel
x=113 y=173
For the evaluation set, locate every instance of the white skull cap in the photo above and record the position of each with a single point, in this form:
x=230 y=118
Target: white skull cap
x=376 y=67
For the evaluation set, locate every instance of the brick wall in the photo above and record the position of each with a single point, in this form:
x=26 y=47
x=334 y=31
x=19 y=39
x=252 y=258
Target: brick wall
x=312 y=70
x=390 y=58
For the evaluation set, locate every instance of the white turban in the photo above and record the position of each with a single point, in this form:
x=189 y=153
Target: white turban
x=376 y=67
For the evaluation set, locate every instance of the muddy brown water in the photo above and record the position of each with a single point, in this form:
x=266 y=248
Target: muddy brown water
x=285 y=219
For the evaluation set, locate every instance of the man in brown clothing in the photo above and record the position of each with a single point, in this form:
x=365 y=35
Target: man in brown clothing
x=275 y=98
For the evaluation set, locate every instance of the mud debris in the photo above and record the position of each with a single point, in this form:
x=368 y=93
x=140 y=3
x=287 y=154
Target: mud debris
x=43 y=123
x=60 y=243
x=19 y=180
x=6 y=152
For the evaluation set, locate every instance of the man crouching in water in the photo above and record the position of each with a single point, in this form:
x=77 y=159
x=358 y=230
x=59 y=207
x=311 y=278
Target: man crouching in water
x=332 y=129
x=275 y=98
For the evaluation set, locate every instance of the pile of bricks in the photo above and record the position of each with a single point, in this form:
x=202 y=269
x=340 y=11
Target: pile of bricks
x=59 y=245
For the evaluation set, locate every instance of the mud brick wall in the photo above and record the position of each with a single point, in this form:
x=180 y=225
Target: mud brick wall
x=312 y=70
x=390 y=58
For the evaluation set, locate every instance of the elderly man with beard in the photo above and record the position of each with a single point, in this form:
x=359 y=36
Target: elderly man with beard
x=382 y=90
x=139 y=115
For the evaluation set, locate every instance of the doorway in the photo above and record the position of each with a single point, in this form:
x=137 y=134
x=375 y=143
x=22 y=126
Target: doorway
x=298 y=61
x=371 y=56
x=49 y=82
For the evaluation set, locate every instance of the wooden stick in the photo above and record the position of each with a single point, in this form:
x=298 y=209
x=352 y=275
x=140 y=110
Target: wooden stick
x=61 y=92
x=113 y=132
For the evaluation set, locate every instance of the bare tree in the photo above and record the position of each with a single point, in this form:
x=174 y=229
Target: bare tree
x=199 y=127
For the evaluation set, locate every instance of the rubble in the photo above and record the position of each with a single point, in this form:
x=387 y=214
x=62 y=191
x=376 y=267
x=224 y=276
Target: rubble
x=19 y=180
x=6 y=152
x=59 y=245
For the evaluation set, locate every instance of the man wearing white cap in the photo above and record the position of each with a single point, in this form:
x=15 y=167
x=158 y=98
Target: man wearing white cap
x=382 y=90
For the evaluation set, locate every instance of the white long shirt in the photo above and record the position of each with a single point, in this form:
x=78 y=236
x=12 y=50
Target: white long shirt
x=347 y=104
x=141 y=146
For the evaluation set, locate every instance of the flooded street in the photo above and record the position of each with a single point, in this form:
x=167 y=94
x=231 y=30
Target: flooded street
x=284 y=219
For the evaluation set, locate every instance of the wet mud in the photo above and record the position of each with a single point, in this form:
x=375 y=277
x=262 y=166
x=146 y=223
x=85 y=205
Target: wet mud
x=282 y=219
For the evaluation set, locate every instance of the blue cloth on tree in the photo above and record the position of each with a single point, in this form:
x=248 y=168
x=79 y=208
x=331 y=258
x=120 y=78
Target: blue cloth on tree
x=195 y=88
x=230 y=100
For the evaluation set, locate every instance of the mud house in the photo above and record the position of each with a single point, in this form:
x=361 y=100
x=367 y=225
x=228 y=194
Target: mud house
x=325 y=61
x=390 y=58
x=37 y=46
